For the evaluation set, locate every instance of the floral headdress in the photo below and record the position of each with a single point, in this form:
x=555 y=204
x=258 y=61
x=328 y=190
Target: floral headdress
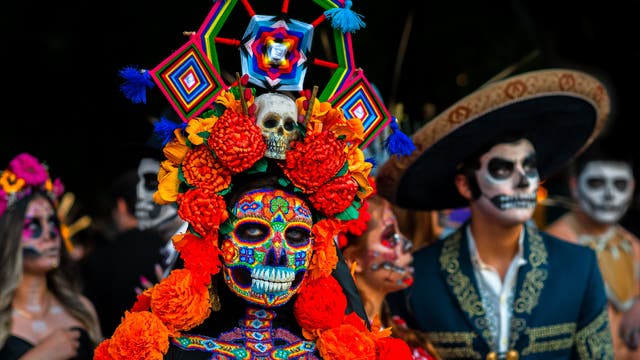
x=22 y=177
x=204 y=156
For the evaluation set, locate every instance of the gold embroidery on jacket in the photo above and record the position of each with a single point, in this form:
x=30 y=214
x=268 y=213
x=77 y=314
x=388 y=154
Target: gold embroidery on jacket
x=550 y=338
x=454 y=344
x=594 y=340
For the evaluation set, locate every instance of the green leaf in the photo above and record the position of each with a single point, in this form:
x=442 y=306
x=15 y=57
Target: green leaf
x=260 y=166
x=350 y=213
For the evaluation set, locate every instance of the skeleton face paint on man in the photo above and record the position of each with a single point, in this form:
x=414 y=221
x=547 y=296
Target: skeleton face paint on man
x=605 y=190
x=149 y=213
x=268 y=252
x=508 y=180
x=40 y=236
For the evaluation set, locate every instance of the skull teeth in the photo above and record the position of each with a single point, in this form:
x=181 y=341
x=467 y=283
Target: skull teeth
x=269 y=279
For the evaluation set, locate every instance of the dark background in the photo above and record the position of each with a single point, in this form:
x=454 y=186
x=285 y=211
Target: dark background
x=61 y=59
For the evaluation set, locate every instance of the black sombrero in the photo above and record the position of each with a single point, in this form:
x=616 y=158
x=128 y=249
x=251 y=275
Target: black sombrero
x=560 y=111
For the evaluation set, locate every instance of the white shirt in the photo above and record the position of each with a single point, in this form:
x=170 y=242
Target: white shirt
x=497 y=297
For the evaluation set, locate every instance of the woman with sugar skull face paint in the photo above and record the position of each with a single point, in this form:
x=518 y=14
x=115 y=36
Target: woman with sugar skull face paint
x=43 y=315
x=498 y=287
x=602 y=186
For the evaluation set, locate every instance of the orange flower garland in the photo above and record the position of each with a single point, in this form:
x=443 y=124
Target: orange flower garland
x=238 y=142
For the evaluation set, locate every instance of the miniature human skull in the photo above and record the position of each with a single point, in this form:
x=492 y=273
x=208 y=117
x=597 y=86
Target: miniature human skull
x=277 y=115
x=266 y=256
x=605 y=190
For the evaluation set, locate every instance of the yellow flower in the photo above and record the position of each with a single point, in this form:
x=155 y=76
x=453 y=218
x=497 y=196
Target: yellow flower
x=168 y=183
x=229 y=101
x=360 y=170
x=175 y=150
x=10 y=183
x=197 y=126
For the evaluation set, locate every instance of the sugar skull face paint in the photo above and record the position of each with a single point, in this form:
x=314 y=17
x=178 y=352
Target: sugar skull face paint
x=508 y=180
x=40 y=236
x=605 y=190
x=267 y=254
x=387 y=262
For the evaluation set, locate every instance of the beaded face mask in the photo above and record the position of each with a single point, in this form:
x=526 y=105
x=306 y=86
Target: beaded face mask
x=267 y=254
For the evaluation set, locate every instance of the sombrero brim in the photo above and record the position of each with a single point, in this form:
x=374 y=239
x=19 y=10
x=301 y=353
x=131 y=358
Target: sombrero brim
x=560 y=111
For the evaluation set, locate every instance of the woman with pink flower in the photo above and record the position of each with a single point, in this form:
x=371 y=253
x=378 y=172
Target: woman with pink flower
x=42 y=312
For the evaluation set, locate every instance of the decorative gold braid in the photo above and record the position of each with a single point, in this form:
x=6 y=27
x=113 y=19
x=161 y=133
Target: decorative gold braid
x=594 y=340
x=458 y=344
x=550 y=338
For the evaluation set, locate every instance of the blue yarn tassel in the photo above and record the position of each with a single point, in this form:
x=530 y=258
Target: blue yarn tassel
x=136 y=84
x=398 y=143
x=163 y=130
x=345 y=19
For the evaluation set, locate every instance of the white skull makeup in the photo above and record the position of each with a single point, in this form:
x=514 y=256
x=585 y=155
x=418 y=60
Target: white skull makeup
x=41 y=240
x=508 y=180
x=605 y=190
x=268 y=252
x=149 y=213
x=277 y=116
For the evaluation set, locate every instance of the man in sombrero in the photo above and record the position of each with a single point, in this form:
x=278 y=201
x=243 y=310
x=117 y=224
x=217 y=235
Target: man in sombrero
x=498 y=287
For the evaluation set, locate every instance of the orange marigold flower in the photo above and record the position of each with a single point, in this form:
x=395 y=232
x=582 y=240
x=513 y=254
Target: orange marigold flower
x=320 y=305
x=143 y=301
x=312 y=162
x=140 y=335
x=101 y=352
x=335 y=196
x=237 y=141
x=203 y=209
x=176 y=149
x=346 y=342
x=324 y=257
x=179 y=303
x=201 y=169
x=352 y=129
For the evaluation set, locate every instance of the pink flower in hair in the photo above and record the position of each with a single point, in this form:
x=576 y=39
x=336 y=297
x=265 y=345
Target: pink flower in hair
x=58 y=187
x=27 y=167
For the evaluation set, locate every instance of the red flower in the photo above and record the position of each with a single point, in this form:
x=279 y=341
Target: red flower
x=313 y=162
x=101 y=352
x=143 y=302
x=237 y=141
x=201 y=169
x=201 y=256
x=390 y=348
x=203 y=209
x=335 y=196
x=320 y=305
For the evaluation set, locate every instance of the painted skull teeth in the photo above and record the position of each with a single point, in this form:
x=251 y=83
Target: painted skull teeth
x=269 y=279
x=506 y=202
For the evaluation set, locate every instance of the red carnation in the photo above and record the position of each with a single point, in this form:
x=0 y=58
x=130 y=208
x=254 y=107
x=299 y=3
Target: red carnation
x=237 y=141
x=314 y=161
x=201 y=256
x=335 y=196
x=321 y=304
x=203 y=209
x=201 y=169
x=390 y=348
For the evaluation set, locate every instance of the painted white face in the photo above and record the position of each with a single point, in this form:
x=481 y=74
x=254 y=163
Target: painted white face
x=508 y=179
x=149 y=213
x=605 y=190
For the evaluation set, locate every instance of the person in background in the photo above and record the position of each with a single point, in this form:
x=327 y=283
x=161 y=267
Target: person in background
x=43 y=314
x=381 y=261
x=142 y=227
x=498 y=287
x=601 y=183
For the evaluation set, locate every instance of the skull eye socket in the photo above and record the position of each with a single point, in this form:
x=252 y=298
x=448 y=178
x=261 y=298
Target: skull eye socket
x=621 y=184
x=270 y=122
x=150 y=182
x=252 y=232
x=595 y=182
x=297 y=236
x=289 y=125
